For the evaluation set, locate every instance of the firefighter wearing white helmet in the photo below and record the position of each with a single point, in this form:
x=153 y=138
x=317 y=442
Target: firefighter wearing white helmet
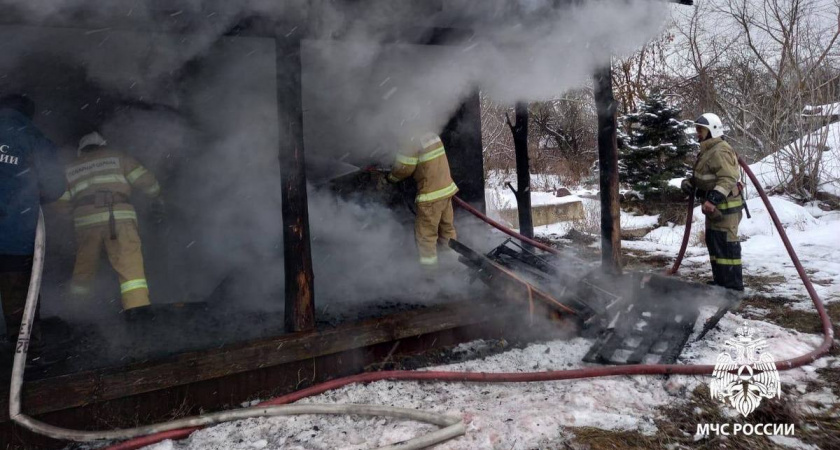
x=712 y=123
x=99 y=186
x=715 y=182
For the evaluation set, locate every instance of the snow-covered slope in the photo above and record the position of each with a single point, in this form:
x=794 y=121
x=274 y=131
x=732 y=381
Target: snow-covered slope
x=776 y=168
x=817 y=242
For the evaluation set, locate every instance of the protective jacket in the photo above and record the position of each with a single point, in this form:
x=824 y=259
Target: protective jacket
x=716 y=175
x=30 y=174
x=105 y=171
x=430 y=168
x=716 y=179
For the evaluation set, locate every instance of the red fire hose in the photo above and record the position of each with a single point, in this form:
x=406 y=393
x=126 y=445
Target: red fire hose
x=519 y=377
x=467 y=207
x=688 y=218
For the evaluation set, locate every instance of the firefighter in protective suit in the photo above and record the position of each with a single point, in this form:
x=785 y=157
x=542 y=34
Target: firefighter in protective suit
x=426 y=162
x=99 y=183
x=715 y=180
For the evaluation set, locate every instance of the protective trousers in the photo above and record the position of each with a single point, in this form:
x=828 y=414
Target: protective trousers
x=435 y=222
x=15 y=272
x=125 y=256
x=725 y=249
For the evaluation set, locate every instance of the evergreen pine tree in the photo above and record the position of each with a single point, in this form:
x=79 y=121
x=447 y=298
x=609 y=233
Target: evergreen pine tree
x=653 y=145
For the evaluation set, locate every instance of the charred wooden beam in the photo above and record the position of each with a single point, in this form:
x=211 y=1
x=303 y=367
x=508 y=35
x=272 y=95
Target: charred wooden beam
x=608 y=170
x=462 y=139
x=519 y=128
x=299 y=278
x=83 y=388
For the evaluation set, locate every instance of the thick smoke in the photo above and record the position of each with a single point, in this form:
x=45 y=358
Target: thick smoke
x=199 y=108
x=365 y=97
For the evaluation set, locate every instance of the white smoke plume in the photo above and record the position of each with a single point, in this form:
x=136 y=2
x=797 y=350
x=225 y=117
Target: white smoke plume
x=170 y=83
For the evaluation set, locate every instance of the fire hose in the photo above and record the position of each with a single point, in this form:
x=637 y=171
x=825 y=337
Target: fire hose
x=182 y=428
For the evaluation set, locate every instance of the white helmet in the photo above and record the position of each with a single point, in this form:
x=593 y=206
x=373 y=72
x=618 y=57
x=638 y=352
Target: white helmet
x=712 y=123
x=91 y=139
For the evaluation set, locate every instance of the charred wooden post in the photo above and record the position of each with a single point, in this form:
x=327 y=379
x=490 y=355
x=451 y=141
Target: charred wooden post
x=608 y=170
x=300 y=280
x=462 y=139
x=519 y=128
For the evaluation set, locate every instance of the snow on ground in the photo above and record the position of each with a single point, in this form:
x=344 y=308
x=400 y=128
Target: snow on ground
x=504 y=198
x=547 y=182
x=775 y=169
x=498 y=196
x=676 y=182
x=827 y=110
x=816 y=241
x=591 y=207
x=532 y=415
x=633 y=222
x=508 y=415
x=814 y=233
x=792 y=443
x=554 y=230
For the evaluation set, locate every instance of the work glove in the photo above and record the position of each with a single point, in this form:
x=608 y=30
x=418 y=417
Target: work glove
x=715 y=197
x=710 y=211
x=158 y=210
x=687 y=187
x=709 y=208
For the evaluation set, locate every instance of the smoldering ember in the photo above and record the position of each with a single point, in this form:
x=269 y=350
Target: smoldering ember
x=453 y=224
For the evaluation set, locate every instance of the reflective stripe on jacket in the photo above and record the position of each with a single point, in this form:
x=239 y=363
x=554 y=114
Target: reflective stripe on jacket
x=429 y=167
x=103 y=169
x=716 y=169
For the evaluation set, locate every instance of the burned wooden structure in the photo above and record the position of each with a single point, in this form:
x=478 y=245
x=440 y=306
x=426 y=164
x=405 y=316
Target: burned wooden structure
x=223 y=377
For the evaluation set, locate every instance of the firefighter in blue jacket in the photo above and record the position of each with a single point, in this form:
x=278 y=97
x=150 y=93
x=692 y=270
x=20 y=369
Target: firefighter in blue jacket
x=30 y=175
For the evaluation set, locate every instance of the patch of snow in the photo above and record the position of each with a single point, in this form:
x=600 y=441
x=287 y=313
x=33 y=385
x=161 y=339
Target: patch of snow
x=830 y=216
x=792 y=443
x=496 y=179
x=792 y=216
x=508 y=200
x=774 y=169
x=817 y=248
x=554 y=230
x=669 y=235
x=814 y=210
x=819 y=402
x=503 y=415
x=633 y=222
x=164 y=445
x=472 y=346
x=815 y=241
x=827 y=110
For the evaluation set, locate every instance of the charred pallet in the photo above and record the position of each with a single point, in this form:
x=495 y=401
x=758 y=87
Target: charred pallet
x=657 y=319
x=564 y=279
x=634 y=318
x=506 y=281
